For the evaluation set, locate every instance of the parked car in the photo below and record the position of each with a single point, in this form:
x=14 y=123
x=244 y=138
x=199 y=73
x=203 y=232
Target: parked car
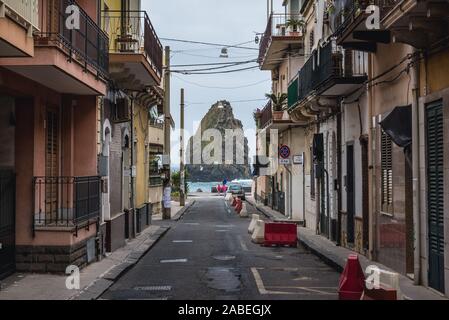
x=237 y=191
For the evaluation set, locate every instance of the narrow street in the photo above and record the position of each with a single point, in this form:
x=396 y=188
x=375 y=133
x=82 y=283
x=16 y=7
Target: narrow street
x=208 y=254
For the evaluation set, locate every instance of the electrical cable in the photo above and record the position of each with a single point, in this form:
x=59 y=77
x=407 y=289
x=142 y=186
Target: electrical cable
x=209 y=44
x=221 y=88
x=217 y=72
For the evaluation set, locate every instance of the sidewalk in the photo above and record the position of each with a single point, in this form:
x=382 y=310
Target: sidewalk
x=95 y=278
x=337 y=256
x=176 y=211
x=267 y=211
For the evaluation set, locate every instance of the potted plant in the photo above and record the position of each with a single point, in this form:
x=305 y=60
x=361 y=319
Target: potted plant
x=278 y=104
x=296 y=26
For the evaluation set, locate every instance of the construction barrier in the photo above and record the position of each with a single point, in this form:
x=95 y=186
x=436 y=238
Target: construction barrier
x=234 y=202
x=228 y=197
x=352 y=280
x=281 y=234
x=258 y=235
x=252 y=224
x=387 y=287
x=244 y=211
x=238 y=207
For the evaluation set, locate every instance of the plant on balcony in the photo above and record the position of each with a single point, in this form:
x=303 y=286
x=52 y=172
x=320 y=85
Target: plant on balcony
x=330 y=6
x=297 y=26
x=278 y=101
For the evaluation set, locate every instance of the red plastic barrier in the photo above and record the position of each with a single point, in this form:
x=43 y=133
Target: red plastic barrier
x=282 y=234
x=352 y=280
x=234 y=202
x=238 y=207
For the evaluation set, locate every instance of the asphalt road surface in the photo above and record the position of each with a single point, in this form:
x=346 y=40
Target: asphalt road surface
x=208 y=255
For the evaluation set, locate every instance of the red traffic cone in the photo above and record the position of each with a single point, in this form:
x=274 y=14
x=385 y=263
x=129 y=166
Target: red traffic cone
x=352 y=280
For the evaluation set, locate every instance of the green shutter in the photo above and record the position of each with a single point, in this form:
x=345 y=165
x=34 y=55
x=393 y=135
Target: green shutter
x=435 y=194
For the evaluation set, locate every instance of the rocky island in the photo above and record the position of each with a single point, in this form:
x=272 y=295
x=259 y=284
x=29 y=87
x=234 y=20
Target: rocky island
x=220 y=117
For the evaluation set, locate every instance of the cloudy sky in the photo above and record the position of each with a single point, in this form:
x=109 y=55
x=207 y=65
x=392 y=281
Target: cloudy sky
x=227 y=22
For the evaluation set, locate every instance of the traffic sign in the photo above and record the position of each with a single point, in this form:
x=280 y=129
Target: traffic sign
x=284 y=152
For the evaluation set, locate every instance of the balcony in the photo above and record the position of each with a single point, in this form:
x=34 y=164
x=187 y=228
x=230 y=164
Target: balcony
x=70 y=61
x=421 y=24
x=135 y=50
x=18 y=21
x=271 y=119
x=348 y=22
x=65 y=202
x=324 y=75
x=279 y=37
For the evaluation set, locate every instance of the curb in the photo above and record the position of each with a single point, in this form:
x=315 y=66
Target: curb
x=102 y=284
x=183 y=211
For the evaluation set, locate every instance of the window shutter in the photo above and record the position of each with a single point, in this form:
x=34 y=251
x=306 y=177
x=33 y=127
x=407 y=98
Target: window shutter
x=387 y=173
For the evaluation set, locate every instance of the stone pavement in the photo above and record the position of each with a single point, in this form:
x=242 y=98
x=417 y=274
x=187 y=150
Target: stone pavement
x=336 y=256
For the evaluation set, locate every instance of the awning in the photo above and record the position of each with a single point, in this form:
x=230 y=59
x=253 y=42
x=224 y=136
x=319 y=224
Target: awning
x=398 y=125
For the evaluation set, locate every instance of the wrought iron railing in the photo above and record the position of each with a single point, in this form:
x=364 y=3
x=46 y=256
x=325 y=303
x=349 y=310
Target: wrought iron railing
x=87 y=44
x=278 y=26
x=28 y=10
x=266 y=115
x=132 y=32
x=347 y=11
x=324 y=64
x=65 y=201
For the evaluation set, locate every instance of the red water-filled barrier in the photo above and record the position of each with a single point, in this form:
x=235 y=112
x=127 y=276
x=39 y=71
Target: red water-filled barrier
x=234 y=202
x=239 y=206
x=281 y=234
x=379 y=294
x=352 y=280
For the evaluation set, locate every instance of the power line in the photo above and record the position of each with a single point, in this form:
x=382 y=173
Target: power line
x=235 y=101
x=218 y=72
x=212 y=64
x=221 y=88
x=210 y=44
x=212 y=68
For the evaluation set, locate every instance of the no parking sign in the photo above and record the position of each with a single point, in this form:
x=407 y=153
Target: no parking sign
x=284 y=151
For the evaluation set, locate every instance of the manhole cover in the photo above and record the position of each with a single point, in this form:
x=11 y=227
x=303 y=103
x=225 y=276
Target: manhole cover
x=153 y=288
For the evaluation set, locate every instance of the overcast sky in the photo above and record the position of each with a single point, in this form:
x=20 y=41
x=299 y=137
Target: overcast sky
x=217 y=21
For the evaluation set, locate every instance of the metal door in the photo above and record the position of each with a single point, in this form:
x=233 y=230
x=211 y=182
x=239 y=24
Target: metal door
x=350 y=192
x=435 y=194
x=7 y=223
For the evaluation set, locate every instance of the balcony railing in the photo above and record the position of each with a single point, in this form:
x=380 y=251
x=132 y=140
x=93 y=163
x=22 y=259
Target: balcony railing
x=347 y=11
x=266 y=115
x=278 y=26
x=321 y=68
x=25 y=10
x=132 y=32
x=65 y=201
x=88 y=43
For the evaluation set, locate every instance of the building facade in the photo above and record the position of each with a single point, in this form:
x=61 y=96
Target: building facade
x=75 y=131
x=370 y=101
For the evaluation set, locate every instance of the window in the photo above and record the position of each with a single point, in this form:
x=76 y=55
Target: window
x=386 y=174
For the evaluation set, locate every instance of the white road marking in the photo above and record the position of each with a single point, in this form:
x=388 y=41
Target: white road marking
x=225 y=226
x=182 y=241
x=222 y=230
x=192 y=223
x=242 y=244
x=259 y=282
x=174 y=261
x=264 y=290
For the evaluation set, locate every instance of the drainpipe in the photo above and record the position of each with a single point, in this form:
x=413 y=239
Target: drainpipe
x=416 y=168
x=339 y=175
x=133 y=196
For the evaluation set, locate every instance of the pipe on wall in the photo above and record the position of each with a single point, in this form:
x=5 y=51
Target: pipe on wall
x=416 y=174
